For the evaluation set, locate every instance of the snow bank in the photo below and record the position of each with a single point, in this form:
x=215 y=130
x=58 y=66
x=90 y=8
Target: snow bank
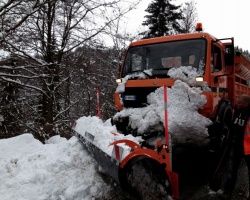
x=60 y=169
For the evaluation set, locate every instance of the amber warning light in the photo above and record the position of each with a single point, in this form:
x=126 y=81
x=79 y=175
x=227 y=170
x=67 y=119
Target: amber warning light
x=199 y=26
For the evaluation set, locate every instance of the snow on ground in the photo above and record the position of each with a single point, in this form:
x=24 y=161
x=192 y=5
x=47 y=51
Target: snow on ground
x=60 y=169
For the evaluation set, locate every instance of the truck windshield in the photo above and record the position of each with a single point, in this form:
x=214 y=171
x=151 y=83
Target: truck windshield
x=163 y=56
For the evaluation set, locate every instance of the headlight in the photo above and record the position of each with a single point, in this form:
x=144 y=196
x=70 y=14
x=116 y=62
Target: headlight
x=118 y=81
x=199 y=79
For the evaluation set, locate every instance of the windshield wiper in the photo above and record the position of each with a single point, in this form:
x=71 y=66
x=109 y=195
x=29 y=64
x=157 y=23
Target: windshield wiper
x=161 y=69
x=148 y=75
x=138 y=71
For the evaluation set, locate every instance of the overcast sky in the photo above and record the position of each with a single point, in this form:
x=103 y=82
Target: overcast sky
x=221 y=18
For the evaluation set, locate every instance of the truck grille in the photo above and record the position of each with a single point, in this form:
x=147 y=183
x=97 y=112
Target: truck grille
x=136 y=97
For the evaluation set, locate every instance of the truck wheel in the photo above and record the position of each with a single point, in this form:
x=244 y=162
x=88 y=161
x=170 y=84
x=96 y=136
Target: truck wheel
x=148 y=181
x=225 y=117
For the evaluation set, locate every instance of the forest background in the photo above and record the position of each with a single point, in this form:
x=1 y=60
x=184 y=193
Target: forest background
x=56 y=54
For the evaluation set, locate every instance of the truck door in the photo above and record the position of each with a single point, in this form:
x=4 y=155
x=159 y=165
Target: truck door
x=216 y=61
x=218 y=82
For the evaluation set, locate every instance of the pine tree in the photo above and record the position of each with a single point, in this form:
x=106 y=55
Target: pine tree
x=162 y=19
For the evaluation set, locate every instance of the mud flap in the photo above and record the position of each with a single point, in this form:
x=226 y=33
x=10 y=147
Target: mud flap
x=174 y=181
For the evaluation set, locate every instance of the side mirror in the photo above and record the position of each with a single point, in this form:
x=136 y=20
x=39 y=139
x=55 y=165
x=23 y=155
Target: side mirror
x=229 y=55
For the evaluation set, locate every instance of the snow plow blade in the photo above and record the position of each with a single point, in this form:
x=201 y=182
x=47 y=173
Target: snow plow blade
x=124 y=168
x=109 y=165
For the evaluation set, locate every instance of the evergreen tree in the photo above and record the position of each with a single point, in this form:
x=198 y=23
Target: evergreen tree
x=162 y=19
x=245 y=53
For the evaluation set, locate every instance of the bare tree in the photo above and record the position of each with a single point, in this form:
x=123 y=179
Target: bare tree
x=13 y=13
x=43 y=43
x=190 y=16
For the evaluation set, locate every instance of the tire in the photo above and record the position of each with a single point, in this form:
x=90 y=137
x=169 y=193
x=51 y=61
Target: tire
x=147 y=180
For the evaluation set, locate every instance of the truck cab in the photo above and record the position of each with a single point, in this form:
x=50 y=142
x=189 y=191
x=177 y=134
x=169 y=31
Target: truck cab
x=212 y=59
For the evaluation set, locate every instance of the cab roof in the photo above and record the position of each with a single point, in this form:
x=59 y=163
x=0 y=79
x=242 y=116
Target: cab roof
x=172 y=38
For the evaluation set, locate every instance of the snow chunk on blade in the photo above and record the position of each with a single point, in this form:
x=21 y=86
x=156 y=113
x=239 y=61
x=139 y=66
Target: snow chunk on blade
x=102 y=134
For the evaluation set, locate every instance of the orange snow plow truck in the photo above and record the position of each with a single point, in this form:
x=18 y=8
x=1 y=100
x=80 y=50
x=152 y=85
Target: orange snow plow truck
x=225 y=72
